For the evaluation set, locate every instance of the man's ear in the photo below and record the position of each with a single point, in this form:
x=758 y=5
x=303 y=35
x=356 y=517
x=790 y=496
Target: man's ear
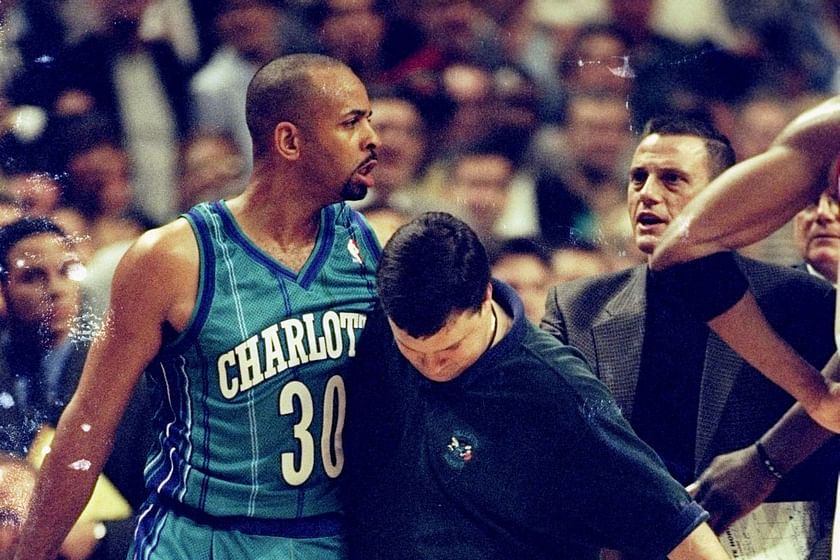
x=287 y=140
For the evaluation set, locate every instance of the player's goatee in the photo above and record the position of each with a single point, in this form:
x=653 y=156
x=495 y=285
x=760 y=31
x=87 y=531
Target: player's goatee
x=352 y=190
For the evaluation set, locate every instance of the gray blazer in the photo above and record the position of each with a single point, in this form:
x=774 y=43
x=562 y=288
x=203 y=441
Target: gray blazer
x=604 y=317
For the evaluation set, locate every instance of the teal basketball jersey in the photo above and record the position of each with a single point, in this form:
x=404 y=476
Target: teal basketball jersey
x=252 y=391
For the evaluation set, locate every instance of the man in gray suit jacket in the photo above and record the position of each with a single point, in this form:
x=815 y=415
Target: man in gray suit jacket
x=685 y=392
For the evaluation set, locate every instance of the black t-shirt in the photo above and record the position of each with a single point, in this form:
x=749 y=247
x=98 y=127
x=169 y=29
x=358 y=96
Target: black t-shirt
x=524 y=455
x=668 y=390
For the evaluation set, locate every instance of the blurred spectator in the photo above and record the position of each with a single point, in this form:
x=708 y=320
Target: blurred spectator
x=211 y=168
x=478 y=190
x=32 y=37
x=443 y=34
x=578 y=261
x=97 y=185
x=175 y=22
x=402 y=155
x=782 y=42
x=9 y=209
x=353 y=31
x=21 y=128
x=758 y=120
x=583 y=168
x=385 y=221
x=9 y=212
x=664 y=71
x=453 y=31
x=250 y=34
x=817 y=233
x=43 y=345
x=36 y=193
x=39 y=281
x=525 y=265
x=114 y=72
x=597 y=61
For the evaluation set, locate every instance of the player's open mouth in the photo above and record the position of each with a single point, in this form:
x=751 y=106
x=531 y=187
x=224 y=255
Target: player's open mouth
x=367 y=167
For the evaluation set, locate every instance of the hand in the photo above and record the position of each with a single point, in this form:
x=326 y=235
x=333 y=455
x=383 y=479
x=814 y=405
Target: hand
x=732 y=486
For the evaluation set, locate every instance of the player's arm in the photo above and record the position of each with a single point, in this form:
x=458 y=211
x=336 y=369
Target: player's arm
x=755 y=197
x=736 y=483
x=744 y=328
x=142 y=299
x=700 y=544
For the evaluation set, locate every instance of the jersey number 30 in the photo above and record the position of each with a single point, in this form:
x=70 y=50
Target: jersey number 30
x=297 y=470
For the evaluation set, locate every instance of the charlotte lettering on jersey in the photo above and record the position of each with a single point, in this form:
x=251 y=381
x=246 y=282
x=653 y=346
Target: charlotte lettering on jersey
x=286 y=344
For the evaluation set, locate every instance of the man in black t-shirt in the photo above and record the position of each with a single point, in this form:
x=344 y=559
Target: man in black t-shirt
x=472 y=434
x=687 y=393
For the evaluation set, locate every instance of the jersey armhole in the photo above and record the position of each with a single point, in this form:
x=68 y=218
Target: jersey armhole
x=371 y=242
x=206 y=282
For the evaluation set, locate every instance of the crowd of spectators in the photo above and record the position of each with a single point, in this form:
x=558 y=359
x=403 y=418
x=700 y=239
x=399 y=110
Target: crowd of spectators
x=519 y=116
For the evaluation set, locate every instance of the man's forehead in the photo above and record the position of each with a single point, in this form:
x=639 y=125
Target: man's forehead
x=452 y=332
x=42 y=248
x=678 y=150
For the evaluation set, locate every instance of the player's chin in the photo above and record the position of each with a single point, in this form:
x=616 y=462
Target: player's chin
x=354 y=190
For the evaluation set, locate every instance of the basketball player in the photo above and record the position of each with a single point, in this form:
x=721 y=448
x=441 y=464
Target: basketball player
x=244 y=313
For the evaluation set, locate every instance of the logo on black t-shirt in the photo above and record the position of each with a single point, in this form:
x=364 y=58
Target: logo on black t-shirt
x=460 y=450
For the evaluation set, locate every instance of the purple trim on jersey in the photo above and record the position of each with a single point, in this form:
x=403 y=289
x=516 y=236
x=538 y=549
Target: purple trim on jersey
x=207 y=268
x=167 y=477
x=370 y=238
x=370 y=241
x=323 y=247
x=204 y=414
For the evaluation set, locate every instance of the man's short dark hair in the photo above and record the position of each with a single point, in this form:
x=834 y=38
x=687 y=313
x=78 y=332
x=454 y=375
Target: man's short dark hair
x=526 y=246
x=719 y=149
x=432 y=267
x=15 y=232
x=282 y=90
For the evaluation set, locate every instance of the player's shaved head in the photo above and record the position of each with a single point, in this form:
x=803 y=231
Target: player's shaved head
x=283 y=90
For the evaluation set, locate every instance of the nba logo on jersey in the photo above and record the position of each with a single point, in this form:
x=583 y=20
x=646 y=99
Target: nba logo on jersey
x=353 y=249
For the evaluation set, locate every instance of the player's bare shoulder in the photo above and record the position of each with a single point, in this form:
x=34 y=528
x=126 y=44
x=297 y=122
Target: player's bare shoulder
x=161 y=269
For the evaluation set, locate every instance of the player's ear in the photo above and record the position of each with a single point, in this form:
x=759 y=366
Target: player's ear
x=287 y=140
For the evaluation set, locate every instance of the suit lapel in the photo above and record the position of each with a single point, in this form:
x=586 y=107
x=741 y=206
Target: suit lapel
x=720 y=369
x=618 y=333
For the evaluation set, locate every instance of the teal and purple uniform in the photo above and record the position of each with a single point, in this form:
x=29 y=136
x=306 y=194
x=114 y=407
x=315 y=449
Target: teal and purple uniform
x=252 y=398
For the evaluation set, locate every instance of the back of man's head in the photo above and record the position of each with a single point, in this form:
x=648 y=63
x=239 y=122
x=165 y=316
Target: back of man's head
x=282 y=91
x=719 y=149
x=15 y=232
x=432 y=267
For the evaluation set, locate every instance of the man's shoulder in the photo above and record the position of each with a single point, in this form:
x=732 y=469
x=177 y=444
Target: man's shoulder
x=565 y=369
x=769 y=278
x=598 y=289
